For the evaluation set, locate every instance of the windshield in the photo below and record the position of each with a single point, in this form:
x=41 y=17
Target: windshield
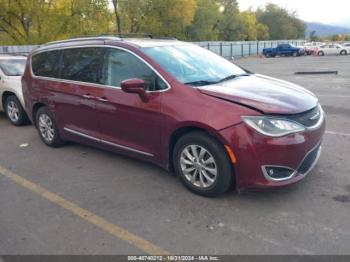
x=13 y=67
x=191 y=64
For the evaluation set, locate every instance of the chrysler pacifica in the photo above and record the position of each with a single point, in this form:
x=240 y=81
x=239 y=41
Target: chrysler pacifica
x=177 y=105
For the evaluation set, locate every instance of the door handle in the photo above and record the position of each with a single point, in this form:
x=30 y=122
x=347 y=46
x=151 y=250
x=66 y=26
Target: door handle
x=102 y=99
x=87 y=96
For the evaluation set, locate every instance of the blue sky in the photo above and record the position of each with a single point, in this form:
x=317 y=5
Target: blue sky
x=336 y=12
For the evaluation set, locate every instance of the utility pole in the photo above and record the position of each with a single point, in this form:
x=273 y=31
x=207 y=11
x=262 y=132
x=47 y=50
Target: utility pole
x=117 y=17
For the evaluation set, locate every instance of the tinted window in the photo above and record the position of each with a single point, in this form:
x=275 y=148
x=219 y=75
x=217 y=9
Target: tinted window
x=46 y=64
x=121 y=65
x=82 y=64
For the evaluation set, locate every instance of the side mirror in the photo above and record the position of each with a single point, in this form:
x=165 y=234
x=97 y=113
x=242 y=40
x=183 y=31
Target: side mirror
x=136 y=86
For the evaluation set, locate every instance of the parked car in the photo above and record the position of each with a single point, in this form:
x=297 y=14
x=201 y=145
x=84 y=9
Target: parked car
x=11 y=71
x=346 y=47
x=177 y=105
x=283 y=50
x=332 y=49
x=311 y=47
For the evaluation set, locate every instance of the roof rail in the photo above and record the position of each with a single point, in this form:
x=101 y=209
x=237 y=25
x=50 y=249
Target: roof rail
x=83 y=38
x=110 y=37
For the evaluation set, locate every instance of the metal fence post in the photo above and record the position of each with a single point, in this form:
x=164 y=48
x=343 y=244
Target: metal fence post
x=257 y=48
x=242 y=50
x=220 y=48
x=250 y=46
x=208 y=46
x=231 y=51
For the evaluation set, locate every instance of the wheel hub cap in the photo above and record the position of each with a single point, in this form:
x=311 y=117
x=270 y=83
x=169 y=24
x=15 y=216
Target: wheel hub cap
x=198 y=166
x=13 y=111
x=46 y=128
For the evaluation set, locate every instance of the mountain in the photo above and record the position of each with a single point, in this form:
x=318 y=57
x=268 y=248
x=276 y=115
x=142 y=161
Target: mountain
x=325 y=30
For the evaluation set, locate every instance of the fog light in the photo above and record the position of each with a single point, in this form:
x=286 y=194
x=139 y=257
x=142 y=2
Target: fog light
x=278 y=173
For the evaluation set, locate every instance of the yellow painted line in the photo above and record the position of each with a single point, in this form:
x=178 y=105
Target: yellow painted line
x=86 y=215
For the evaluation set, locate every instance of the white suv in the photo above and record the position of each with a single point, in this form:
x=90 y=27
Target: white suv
x=11 y=71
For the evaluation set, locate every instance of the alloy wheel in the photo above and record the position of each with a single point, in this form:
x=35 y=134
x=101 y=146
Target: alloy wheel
x=46 y=128
x=198 y=166
x=13 y=111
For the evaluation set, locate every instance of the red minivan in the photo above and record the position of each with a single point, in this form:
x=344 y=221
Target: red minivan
x=177 y=105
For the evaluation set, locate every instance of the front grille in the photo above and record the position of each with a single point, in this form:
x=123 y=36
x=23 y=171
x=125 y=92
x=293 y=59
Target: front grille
x=308 y=161
x=309 y=118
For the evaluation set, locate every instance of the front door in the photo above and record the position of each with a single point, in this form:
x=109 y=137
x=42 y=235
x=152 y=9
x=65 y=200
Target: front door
x=126 y=122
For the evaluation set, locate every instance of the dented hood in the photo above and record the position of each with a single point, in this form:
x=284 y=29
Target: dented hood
x=266 y=94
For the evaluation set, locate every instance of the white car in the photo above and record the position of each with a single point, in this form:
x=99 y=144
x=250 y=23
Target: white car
x=346 y=46
x=12 y=102
x=311 y=47
x=332 y=49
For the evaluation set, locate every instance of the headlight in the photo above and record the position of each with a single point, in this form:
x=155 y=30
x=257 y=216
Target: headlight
x=271 y=126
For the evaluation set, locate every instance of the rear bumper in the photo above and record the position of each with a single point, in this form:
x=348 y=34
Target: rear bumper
x=254 y=152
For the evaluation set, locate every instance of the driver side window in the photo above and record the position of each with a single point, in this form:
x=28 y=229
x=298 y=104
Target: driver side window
x=121 y=65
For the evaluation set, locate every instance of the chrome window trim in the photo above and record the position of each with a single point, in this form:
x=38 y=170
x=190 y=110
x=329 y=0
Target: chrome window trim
x=94 y=84
x=295 y=173
x=107 y=142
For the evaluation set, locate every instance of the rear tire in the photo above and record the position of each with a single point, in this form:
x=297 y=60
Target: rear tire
x=203 y=164
x=15 y=112
x=47 y=128
x=320 y=53
x=343 y=52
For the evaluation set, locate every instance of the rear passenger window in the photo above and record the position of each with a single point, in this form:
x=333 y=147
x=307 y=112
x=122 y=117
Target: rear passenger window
x=46 y=64
x=121 y=65
x=82 y=64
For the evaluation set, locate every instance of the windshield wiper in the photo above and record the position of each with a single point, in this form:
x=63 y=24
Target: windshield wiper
x=201 y=83
x=232 y=77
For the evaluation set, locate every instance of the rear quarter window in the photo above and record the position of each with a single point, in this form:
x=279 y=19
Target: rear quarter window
x=46 y=64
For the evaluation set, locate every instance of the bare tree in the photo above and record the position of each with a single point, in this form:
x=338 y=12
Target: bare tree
x=117 y=16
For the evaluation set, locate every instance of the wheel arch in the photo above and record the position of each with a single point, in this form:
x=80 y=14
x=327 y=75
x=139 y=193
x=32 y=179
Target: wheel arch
x=183 y=130
x=5 y=95
x=35 y=109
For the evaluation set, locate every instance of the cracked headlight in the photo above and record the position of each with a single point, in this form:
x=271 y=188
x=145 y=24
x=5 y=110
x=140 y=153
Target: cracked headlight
x=271 y=126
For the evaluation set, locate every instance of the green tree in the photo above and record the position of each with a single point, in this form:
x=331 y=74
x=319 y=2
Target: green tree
x=206 y=21
x=262 y=32
x=132 y=15
x=231 y=26
x=40 y=21
x=249 y=26
x=282 y=24
x=313 y=37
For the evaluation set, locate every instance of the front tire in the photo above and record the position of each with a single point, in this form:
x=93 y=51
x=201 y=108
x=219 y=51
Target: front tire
x=47 y=128
x=15 y=112
x=203 y=164
x=320 y=53
x=343 y=52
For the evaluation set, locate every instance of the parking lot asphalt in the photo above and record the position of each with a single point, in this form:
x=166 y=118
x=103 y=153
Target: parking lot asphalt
x=105 y=193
